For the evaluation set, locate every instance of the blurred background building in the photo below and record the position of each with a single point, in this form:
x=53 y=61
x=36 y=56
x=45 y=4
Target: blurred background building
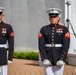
x=27 y=17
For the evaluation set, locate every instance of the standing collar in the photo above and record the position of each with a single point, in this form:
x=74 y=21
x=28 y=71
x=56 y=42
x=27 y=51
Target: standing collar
x=53 y=25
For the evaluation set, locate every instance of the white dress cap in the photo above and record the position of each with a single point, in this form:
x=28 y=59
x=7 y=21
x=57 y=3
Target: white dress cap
x=2 y=9
x=53 y=10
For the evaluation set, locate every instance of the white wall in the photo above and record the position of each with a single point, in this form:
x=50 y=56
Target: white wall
x=27 y=17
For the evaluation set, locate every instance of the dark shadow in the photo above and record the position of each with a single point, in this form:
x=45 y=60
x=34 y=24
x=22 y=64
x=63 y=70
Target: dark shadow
x=33 y=63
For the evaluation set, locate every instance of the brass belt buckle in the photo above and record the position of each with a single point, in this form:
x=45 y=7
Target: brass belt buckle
x=53 y=45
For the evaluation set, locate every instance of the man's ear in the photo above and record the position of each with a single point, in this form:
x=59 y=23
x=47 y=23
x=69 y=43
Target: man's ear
x=2 y=14
x=58 y=18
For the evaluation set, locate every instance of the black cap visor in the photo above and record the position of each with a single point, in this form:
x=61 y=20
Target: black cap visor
x=1 y=13
x=53 y=14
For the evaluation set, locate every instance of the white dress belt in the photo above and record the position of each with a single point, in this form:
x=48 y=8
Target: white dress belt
x=53 y=45
x=3 y=45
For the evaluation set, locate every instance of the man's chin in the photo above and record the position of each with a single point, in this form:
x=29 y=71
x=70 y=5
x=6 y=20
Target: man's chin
x=53 y=23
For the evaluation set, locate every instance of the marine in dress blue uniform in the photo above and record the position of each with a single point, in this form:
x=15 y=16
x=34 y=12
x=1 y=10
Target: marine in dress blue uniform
x=54 y=40
x=6 y=35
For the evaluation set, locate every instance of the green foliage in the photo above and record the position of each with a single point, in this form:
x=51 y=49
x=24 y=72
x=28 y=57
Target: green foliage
x=16 y=54
x=26 y=55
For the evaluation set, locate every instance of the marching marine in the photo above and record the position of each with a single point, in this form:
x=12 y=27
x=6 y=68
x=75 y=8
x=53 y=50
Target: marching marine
x=54 y=40
x=6 y=35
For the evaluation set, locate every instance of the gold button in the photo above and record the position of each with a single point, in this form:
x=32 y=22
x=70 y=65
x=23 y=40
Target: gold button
x=52 y=39
x=52 y=42
x=52 y=30
x=52 y=36
x=52 y=33
x=53 y=27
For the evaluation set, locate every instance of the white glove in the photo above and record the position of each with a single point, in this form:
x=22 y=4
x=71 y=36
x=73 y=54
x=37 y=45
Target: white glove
x=60 y=63
x=46 y=62
x=9 y=62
